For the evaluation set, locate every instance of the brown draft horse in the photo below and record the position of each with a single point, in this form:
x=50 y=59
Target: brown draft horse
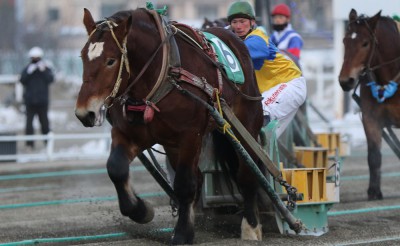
x=372 y=53
x=127 y=50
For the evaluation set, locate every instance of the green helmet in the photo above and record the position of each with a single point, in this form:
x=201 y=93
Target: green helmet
x=241 y=9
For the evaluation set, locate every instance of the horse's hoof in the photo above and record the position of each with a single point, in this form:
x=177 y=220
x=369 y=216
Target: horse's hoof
x=144 y=212
x=181 y=240
x=184 y=237
x=250 y=233
x=374 y=195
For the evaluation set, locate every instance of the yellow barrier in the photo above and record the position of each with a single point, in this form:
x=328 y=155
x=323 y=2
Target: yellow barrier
x=312 y=157
x=311 y=182
x=330 y=141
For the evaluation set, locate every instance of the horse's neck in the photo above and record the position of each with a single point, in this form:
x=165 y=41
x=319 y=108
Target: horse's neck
x=388 y=71
x=388 y=57
x=157 y=55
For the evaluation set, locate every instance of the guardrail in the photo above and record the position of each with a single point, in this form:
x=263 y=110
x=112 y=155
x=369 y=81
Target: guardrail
x=50 y=154
x=9 y=78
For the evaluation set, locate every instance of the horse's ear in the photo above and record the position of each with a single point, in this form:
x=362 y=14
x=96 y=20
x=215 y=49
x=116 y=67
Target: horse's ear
x=373 y=21
x=353 y=15
x=88 y=21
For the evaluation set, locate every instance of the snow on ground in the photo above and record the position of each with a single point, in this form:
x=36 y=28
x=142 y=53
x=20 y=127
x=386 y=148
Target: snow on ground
x=14 y=121
x=10 y=120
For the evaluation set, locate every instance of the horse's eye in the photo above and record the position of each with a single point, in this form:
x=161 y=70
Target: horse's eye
x=110 y=62
x=365 y=44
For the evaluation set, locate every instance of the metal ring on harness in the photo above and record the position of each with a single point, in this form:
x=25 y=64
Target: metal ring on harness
x=109 y=99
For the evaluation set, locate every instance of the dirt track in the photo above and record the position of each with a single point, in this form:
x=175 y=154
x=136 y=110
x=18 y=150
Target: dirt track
x=67 y=203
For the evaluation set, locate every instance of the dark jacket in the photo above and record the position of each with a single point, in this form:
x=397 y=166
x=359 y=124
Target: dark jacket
x=36 y=85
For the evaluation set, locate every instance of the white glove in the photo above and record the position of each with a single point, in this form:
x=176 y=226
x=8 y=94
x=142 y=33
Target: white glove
x=42 y=66
x=31 y=68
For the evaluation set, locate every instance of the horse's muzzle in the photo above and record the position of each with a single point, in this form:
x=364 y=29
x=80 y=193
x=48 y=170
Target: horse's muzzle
x=88 y=119
x=347 y=84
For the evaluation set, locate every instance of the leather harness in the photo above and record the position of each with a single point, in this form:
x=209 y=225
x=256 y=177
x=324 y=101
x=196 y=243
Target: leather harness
x=171 y=68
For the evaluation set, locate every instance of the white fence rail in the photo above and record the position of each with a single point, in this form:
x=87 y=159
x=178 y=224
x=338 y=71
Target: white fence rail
x=99 y=151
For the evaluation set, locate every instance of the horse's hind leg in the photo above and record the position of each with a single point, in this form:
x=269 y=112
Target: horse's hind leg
x=251 y=227
x=130 y=204
x=186 y=186
x=247 y=183
x=374 y=140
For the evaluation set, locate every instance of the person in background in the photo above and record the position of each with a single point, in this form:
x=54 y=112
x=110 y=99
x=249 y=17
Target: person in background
x=283 y=36
x=279 y=80
x=36 y=78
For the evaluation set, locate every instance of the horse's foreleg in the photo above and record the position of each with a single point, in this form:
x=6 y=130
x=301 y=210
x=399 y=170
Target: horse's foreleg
x=374 y=163
x=251 y=227
x=374 y=140
x=118 y=170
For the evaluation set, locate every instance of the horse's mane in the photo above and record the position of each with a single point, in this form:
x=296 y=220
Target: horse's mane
x=220 y=22
x=117 y=17
x=361 y=18
x=102 y=26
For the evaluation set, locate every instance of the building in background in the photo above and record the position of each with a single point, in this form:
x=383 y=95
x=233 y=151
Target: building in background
x=58 y=24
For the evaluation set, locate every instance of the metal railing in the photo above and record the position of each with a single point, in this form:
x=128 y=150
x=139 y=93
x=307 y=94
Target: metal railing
x=49 y=153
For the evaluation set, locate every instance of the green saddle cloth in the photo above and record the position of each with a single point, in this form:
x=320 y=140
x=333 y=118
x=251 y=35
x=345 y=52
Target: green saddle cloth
x=227 y=58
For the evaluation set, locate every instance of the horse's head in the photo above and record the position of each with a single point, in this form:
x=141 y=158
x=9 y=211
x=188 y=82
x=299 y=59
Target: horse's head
x=206 y=24
x=221 y=22
x=359 y=44
x=103 y=65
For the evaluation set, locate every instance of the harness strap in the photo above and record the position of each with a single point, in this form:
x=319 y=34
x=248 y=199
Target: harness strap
x=200 y=50
x=200 y=41
x=213 y=55
x=170 y=57
x=181 y=74
x=164 y=44
x=165 y=57
x=136 y=108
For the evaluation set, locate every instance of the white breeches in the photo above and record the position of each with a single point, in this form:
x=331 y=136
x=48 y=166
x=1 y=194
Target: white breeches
x=282 y=101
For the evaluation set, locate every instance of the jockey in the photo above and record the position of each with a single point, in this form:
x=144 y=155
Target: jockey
x=279 y=79
x=283 y=36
